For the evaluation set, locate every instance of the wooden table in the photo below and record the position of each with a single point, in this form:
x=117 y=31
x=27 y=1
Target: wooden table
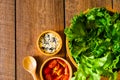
x=21 y=21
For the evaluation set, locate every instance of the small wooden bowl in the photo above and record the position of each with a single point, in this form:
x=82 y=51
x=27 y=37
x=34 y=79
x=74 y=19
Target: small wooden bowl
x=59 y=41
x=55 y=58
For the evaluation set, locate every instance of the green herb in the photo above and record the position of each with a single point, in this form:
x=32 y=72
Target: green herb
x=94 y=42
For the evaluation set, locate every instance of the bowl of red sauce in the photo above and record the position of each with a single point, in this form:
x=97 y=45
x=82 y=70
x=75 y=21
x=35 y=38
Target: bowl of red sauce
x=55 y=68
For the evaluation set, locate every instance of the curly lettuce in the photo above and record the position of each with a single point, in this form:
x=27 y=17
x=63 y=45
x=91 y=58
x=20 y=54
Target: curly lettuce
x=94 y=42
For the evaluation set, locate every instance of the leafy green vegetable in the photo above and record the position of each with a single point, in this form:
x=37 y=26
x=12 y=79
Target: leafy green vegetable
x=94 y=42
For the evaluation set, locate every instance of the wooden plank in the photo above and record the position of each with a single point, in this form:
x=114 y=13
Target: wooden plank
x=116 y=5
x=7 y=42
x=34 y=17
x=74 y=7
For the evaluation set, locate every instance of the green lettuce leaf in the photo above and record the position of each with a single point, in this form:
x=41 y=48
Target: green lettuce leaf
x=94 y=43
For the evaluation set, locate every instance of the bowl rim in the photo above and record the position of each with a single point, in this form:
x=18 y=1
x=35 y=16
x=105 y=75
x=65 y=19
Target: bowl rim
x=52 y=58
x=69 y=54
x=60 y=42
x=67 y=41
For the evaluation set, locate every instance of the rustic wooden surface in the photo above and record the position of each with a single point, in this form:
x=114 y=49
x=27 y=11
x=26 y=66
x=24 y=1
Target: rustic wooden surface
x=116 y=5
x=34 y=17
x=21 y=21
x=7 y=40
x=74 y=7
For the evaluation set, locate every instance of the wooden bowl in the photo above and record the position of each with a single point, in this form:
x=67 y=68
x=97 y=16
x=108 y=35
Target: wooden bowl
x=69 y=54
x=67 y=41
x=58 y=42
x=72 y=59
x=46 y=64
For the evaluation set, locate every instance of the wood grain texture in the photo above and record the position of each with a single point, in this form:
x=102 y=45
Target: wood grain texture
x=74 y=7
x=116 y=5
x=7 y=42
x=34 y=17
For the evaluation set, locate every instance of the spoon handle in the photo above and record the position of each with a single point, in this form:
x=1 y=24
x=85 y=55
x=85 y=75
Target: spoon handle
x=35 y=77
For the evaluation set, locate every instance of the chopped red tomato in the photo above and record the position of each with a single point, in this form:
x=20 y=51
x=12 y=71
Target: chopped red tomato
x=47 y=70
x=57 y=67
x=52 y=63
x=61 y=62
x=59 y=72
x=48 y=77
x=65 y=77
x=58 y=77
x=66 y=70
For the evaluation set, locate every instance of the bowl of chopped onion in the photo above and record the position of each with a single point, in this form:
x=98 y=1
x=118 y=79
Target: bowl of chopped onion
x=49 y=43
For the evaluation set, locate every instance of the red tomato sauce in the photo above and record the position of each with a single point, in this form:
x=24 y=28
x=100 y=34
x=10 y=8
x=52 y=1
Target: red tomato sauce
x=56 y=69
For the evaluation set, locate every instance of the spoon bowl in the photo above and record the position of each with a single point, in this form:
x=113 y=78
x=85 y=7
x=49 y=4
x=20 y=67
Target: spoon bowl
x=30 y=65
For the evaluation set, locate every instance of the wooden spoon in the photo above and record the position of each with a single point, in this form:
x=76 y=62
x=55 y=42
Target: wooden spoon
x=30 y=65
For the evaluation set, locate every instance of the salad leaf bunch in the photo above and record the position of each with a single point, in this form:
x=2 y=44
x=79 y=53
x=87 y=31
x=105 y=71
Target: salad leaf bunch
x=94 y=43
